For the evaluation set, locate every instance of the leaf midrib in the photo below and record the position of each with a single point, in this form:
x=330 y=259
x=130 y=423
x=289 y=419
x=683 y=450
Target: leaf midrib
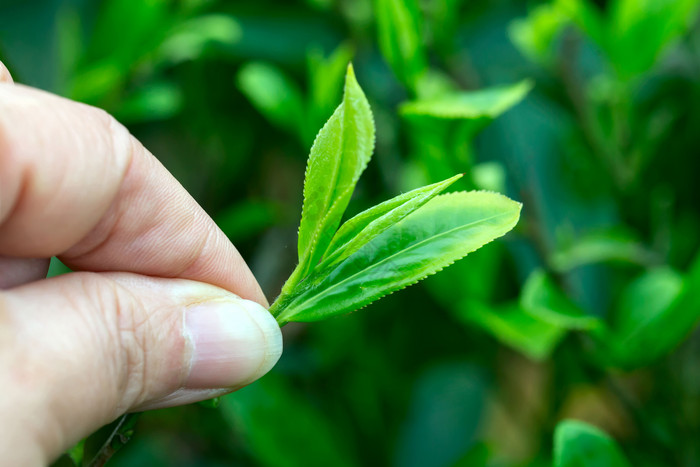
x=415 y=245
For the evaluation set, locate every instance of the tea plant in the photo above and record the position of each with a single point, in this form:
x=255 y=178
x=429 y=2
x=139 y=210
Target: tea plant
x=387 y=247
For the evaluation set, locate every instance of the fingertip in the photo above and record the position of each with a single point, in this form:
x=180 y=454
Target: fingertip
x=5 y=76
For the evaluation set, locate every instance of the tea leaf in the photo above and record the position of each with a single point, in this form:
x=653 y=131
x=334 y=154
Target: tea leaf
x=484 y=103
x=372 y=222
x=398 y=24
x=514 y=327
x=273 y=94
x=542 y=298
x=658 y=300
x=578 y=444
x=444 y=230
x=340 y=153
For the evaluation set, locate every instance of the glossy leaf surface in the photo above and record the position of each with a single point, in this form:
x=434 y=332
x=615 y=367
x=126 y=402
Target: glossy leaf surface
x=368 y=224
x=444 y=230
x=340 y=153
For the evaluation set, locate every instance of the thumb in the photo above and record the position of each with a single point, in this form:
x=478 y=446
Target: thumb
x=79 y=350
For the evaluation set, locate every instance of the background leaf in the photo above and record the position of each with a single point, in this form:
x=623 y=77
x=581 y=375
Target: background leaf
x=577 y=444
x=399 y=29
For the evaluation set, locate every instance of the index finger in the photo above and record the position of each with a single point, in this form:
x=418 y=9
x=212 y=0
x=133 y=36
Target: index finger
x=75 y=184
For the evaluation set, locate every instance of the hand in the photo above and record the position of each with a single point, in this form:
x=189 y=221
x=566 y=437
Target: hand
x=153 y=319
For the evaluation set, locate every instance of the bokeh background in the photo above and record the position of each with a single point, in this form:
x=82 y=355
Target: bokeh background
x=586 y=111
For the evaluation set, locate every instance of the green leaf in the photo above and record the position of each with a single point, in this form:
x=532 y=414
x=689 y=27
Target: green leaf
x=401 y=40
x=543 y=299
x=660 y=299
x=485 y=103
x=444 y=230
x=273 y=94
x=578 y=444
x=513 y=327
x=372 y=222
x=189 y=39
x=535 y=35
x=640 y=31
x=338 y=157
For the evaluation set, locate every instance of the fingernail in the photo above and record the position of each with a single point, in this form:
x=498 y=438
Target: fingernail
x=234 y=343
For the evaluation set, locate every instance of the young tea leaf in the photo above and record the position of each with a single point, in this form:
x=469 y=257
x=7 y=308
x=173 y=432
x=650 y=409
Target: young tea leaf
x=372 y=222
x=340 y=153
x=444 y=230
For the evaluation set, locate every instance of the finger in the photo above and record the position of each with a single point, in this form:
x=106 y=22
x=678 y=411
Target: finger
x=125 y=342
x=5 y=76
x=18 y=271
x=75 y=184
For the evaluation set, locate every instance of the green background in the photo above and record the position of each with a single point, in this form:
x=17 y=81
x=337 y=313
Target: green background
x=585 y=311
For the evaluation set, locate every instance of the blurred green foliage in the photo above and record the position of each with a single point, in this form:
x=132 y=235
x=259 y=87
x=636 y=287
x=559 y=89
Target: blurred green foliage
x=583 y=110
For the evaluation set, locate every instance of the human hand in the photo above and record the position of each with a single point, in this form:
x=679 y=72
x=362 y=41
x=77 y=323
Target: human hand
x=153 y=319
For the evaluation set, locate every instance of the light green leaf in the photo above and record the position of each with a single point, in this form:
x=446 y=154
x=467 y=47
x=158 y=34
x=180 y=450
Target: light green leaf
x=338 y=157
x=484 y=103
x=274 y=95
x=513 y=327
x=189 y=39
x=578 y=444
x=543 y=299
x=372 y=222
x=535 y=35
x=401 y=40
x=444 y=230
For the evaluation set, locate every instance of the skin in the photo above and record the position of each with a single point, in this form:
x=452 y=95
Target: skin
x=134 y=327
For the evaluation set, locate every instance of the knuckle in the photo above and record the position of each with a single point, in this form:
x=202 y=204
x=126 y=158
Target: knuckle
x=126 y=327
